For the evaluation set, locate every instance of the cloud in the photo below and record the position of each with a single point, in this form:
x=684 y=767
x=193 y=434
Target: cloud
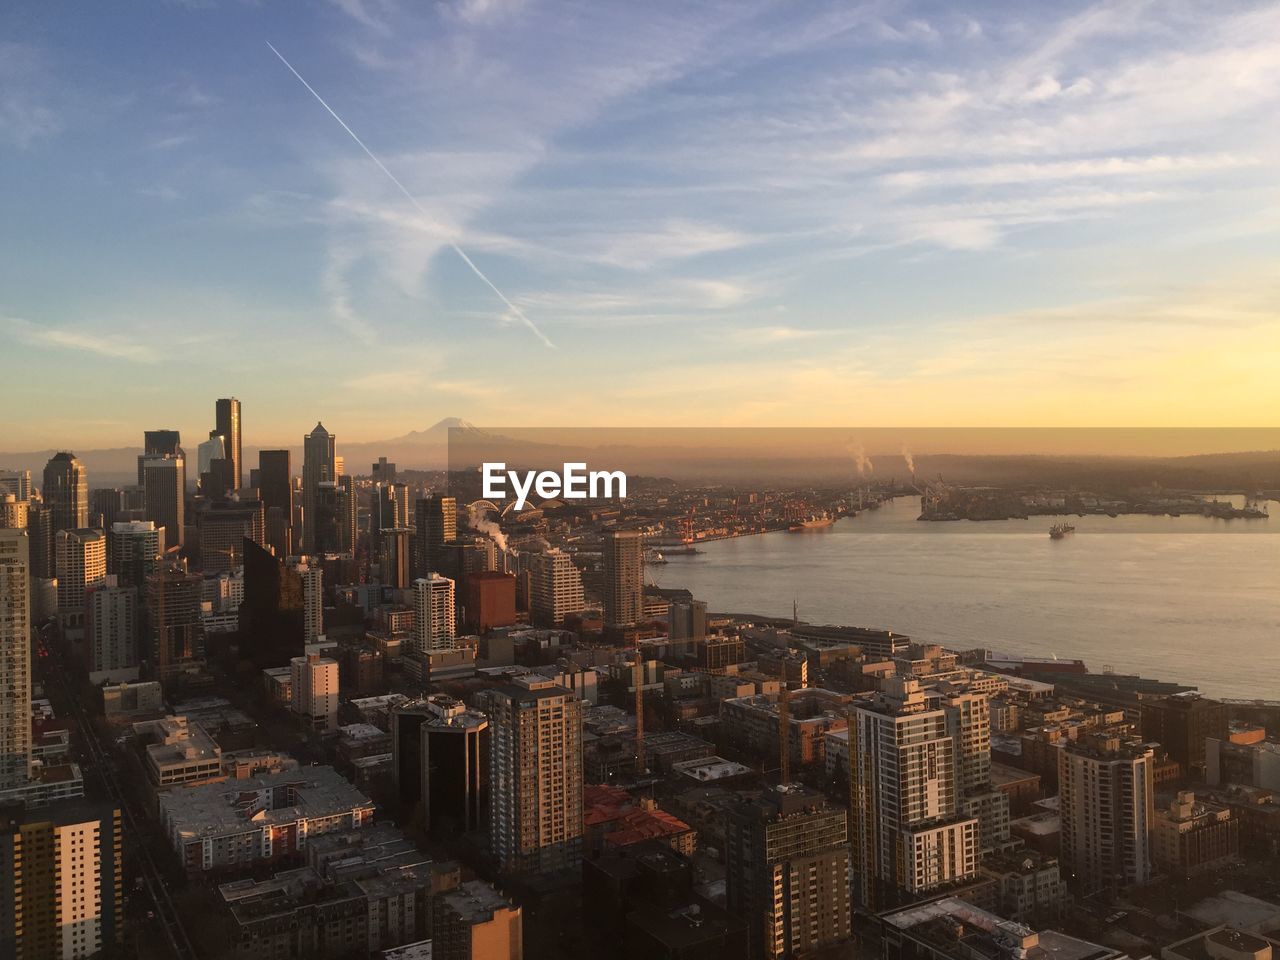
x=109 y=346
x=26 y=114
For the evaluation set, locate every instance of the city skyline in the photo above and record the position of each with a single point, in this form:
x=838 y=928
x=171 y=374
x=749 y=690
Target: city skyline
x=911 y=213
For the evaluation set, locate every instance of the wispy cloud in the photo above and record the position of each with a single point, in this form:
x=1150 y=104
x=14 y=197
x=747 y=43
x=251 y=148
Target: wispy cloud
x=26 y=113
x=114 y=347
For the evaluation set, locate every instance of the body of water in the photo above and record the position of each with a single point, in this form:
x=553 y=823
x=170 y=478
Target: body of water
x=1175 y=598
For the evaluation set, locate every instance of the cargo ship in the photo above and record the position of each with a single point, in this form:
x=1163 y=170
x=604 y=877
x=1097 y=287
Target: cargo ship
x=1060 y=530
x=812 y=523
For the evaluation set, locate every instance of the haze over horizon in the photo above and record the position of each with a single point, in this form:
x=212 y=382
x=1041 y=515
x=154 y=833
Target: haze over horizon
x=748 y=214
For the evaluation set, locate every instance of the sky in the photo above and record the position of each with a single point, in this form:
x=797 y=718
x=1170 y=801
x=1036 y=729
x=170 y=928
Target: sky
x=743 y=213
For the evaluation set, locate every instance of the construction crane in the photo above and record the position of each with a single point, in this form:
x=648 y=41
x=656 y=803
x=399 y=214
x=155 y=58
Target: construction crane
x=784 y=724
x=639 y=680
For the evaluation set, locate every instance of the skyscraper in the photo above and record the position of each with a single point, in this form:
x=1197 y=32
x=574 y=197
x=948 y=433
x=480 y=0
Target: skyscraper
x=906 y=833
x=162 y=478
x=555 y=588
x=623 y=577
x=787 y=871
x=111 y=631
x=223 y=525
x=68 y=903
x=311 y=576
x=440 y=752
x=1106 y=801
x=436 y=521
x=434 y=624
x=81 y=563
x=228 y=426
x=535 y=776
x=688 y=624
x=15 y=659
x=334 y=520
x=389 y=507
x=161 y=443
x=17 y=482
x=272 y=617
x=318 y=466
x=173 y=618
x=134 y=550
x=275 y=488
x=66 y=490
x=40 y=527
x=395 y=557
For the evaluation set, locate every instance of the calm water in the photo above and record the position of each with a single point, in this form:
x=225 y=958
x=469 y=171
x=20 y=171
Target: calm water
x=1160 y=596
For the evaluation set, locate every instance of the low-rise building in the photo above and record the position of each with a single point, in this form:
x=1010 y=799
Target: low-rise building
x=475 y=922
x=265 y=819
x=1189 y=837
x=179 y=752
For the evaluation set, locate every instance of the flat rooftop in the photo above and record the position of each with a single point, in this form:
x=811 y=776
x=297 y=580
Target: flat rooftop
x=475 y=901
x=218 y=809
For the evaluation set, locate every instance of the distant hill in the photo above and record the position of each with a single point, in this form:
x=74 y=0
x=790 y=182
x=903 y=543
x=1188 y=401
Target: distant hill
x=753 y=461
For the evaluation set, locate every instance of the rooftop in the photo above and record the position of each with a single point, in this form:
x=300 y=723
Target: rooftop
x=475 y=901
x=222 y=808
x=709 y=768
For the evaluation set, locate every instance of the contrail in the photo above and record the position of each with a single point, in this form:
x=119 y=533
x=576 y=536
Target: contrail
x=414 y=200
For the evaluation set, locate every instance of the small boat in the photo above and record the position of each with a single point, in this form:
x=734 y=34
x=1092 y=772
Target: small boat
x=1060 y=530
x=654 y=556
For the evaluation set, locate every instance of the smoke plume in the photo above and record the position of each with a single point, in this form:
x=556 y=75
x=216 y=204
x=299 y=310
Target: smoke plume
x=911 y=461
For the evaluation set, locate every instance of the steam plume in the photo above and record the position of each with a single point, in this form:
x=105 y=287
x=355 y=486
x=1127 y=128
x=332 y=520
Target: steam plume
x=911 y=461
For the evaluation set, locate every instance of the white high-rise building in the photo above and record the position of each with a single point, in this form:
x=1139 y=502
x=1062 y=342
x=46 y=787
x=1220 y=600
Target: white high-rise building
x=312 y=599
x=80 y=560
x=555 y=588
x=15 y=659
x=315 y=691
x=434 y=625
x=907 y=834
x=1106 y=800
x=111 y=631
x=535 y=776
x=17 y=482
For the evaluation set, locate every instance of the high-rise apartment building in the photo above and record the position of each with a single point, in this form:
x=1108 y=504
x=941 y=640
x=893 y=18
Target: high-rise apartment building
x=969 y=726
x=787 y=871
x=311 y=576
x=227 y=412
x=162 y=480
x=13 y=512
x=1106 y=797
x=60 y=881
x=623 y=577
x=80 y=559
x=111 y=631
x=555 y=588
x=436 y=523
x=275 y=489
x=488 y=601
x=319 y=456
x=434 y=623
x=315 y=691
x=907 y=835
x=535 y=776
x=15 y=659
x=66 y=490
